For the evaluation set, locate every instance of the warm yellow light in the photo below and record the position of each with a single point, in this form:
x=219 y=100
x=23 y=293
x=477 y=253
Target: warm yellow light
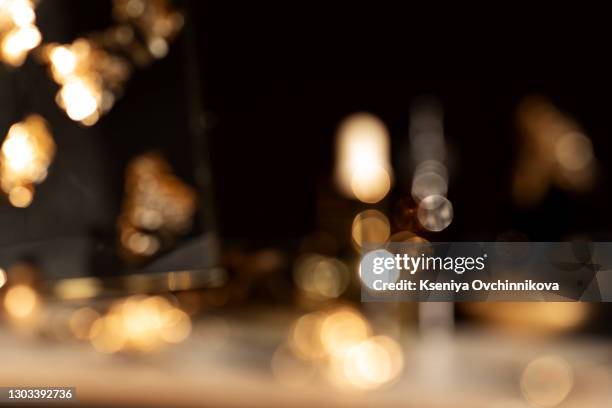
x=363 y=169
x=20 y=301
x=25 y=157
x=305 y=336
x=18 y=34
x=343 y=329
x=107 y=335
x=370 y=183
x=63 y=61
x=321 y=277
x=16 y=44
x=176 y=326
x=370 y=229
x=3 y=277
x=81 y=321
x=21 y=197
x=372 y=363
x=79 y=99
x=547 y=381
x=141 y=324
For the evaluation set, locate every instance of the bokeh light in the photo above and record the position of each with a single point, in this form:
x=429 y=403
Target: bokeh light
x=547 y=381
x=18 y=31
x=20 y=301
x=435 y=213
x=25 y=157
x=363 y=169
x=370 y=229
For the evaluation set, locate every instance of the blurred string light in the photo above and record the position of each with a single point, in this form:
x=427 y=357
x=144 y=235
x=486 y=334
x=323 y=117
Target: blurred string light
x=363 y=170
x=158 y=206
x=91 y=71
x=547 y=381
x=25 y=157
x=139 y=324
x=18 y=31
x=554 y=151
x=339 y=343
x=428 y=155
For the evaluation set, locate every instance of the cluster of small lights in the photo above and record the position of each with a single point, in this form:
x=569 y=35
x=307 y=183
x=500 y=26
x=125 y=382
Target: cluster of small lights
x=555 y=151
x=25 y=157
x=338 y=344
x=156 y=21
x=18 y=31
x=158 y=206
x=91 y=71
x=137 y=324
x=89 y=78
x=363 y=169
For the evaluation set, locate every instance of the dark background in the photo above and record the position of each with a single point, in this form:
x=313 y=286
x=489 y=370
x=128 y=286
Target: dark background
x=276 y=81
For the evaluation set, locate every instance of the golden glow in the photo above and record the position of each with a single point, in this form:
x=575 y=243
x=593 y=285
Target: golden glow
x=321 y=277
x=372 y=363
x=537 y=318
x=547 y=381
x=18 y=32
x=21 y=197
x=343 y=329
x=157 y=204
x=80 y=99
x=370 y=229
x=20 y=301
x=363 y=169
x=554 y=151
x=305 y=336
x=339 y=343
x=77 y=288
x=88 y=77
x=25 y=157
x=290 y=370
x=81 y=322
x=140 y=323
x=3 y=277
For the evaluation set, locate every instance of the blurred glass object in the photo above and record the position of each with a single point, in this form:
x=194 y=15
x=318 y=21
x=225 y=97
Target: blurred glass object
x=363 y=169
